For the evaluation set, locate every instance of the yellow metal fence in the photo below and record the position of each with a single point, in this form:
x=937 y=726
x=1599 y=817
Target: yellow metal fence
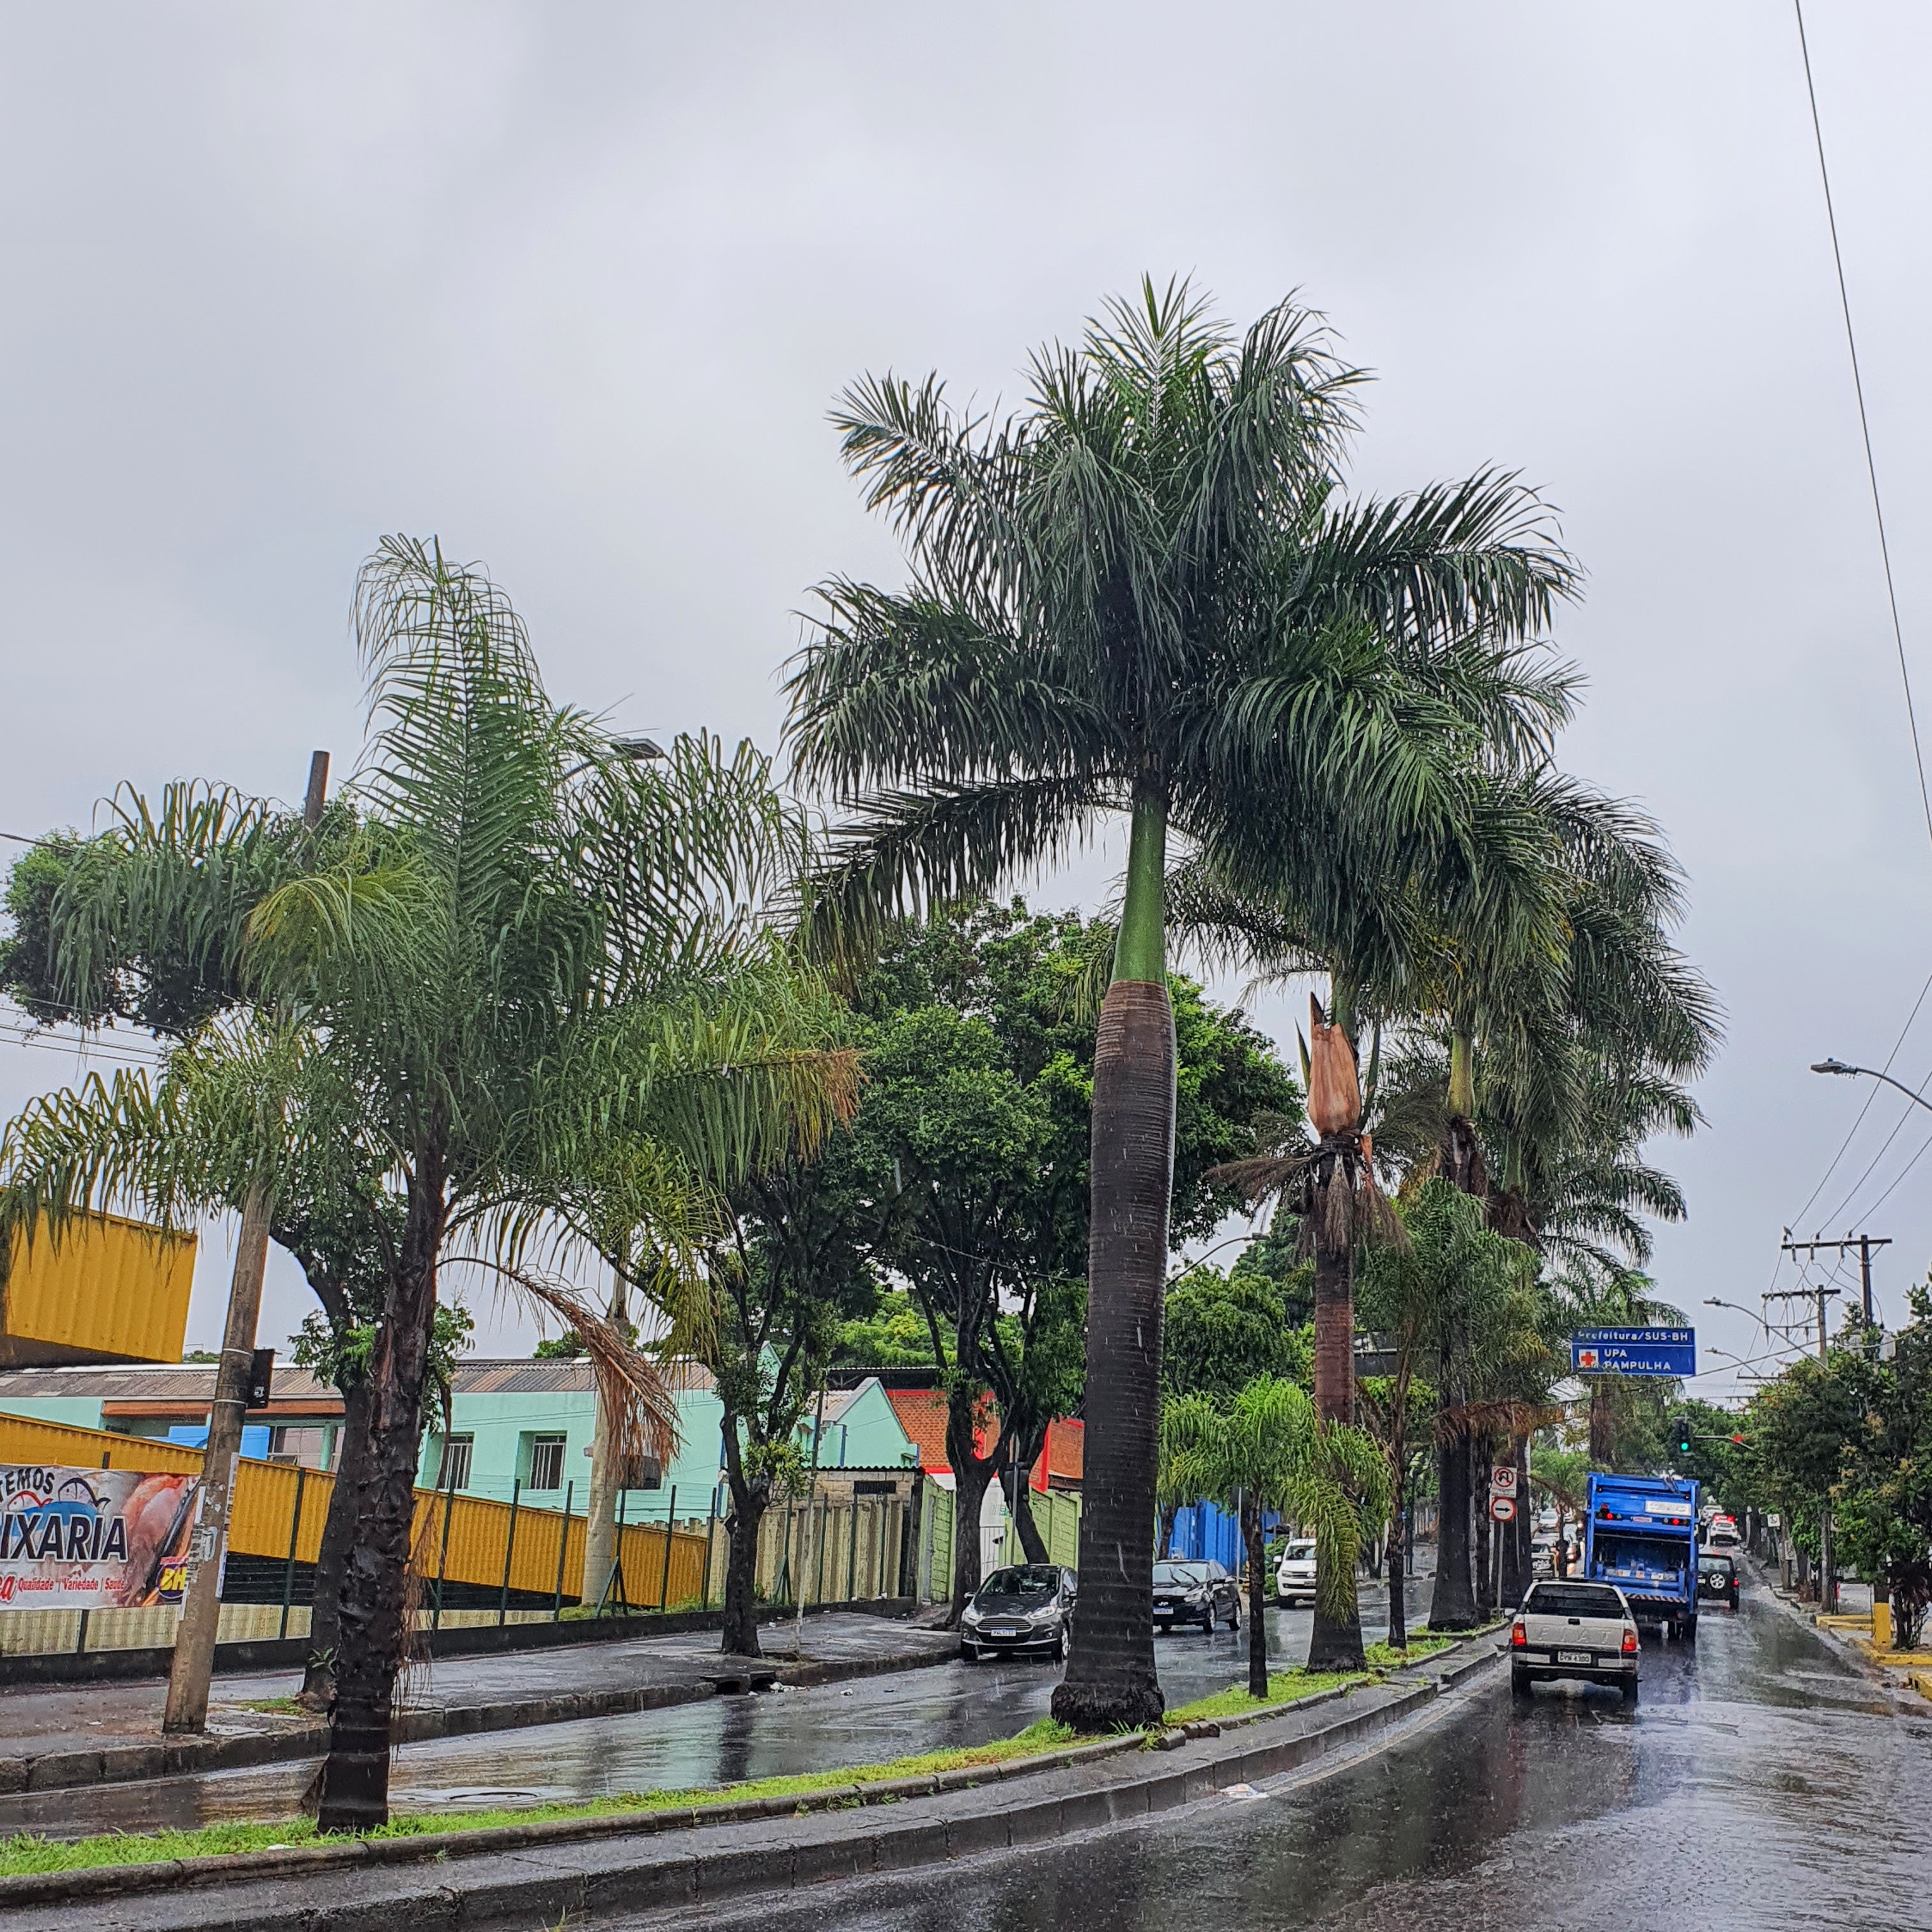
x=663 y=1567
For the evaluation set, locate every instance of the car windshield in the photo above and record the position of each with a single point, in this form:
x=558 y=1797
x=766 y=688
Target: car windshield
x=1031 y=1579
x=1574 y=1600
x=1298 y=1552
x=1717 y=1566
x=1180 y=1573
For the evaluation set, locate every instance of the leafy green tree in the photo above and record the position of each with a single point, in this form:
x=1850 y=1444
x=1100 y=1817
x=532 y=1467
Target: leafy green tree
x=1224 y=1331
x=891 y=1334
x=1881 y=1503
x=1143 y=595
x=979 y=1054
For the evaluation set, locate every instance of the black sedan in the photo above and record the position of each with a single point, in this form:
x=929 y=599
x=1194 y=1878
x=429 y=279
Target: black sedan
x=1194 y=1592
x=1027 y=1607
x=1717 y=1578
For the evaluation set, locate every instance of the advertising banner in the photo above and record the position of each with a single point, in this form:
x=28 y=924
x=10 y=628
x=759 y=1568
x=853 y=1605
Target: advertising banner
x=1634 y=1351
x=94 y=1539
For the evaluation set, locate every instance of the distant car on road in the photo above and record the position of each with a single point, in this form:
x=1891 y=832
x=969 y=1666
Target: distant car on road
x=1026 y=1606
x=1721 y=1533
x=1194 y=1592
x=1717 y=1578
x=1542 y=1553
x=1295 y=1574
x=1580 y=1630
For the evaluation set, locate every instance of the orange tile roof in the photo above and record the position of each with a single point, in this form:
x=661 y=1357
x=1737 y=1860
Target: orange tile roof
x=922 y=1414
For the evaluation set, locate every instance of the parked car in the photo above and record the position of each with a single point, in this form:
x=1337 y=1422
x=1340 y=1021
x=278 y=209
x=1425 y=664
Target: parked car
x=1717 y=1578
x=1026 y=1606
x=1295 y=1574
x=1194 y=1592
x=1574 y=1630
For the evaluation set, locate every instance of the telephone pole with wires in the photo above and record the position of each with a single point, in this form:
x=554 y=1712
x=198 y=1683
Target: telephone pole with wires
x=1865 y=1244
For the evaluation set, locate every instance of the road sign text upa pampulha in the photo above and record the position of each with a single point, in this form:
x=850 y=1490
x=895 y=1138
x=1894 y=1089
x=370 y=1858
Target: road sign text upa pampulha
x=1634 y=1351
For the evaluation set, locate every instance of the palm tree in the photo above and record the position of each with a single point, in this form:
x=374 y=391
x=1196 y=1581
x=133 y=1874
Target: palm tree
x=530 y=948
x=1269 y=1450
x=1144 y=595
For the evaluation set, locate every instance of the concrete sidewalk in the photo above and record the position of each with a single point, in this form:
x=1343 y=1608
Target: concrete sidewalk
x=59 y=1737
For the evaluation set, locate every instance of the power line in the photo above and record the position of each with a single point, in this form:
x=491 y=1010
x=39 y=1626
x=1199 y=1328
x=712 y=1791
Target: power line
x=1864 y=421
x=1832 y=1218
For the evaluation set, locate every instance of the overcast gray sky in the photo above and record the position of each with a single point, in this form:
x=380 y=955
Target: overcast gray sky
x=573 y=287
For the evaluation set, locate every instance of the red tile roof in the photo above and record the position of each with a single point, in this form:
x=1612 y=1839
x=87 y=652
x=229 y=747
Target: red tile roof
x=922 y=1414
x=1064 y=1458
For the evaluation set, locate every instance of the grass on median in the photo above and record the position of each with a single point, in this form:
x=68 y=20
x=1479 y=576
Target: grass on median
x=1289 y=1687
x=27 y=1853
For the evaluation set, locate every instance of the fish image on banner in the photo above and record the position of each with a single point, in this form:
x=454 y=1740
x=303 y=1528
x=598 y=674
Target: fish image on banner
x=94 y=1539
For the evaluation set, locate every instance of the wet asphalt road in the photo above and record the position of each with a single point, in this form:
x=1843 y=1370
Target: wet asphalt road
x=719 y=1742
x=1760 y=1783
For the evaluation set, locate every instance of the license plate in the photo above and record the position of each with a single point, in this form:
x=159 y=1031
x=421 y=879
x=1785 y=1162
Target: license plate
x=1573 y=1657
x=1002 y=1629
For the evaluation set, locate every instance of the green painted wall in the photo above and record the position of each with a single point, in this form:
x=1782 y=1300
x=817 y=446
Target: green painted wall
x=505 y=1430
x=71 y=1411
x=868 y=1435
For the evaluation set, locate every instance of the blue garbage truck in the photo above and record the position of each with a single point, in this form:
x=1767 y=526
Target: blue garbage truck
x=1642 y=1536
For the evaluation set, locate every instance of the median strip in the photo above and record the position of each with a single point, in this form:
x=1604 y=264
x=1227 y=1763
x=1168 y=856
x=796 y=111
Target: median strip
x=37 y=1871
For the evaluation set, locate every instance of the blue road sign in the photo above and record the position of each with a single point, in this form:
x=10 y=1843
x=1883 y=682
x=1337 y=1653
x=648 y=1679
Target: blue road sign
x=1634 y=1351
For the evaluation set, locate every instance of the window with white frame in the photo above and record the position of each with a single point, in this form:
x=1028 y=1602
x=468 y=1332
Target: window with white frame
x=453 y=1469
x=546 y=1462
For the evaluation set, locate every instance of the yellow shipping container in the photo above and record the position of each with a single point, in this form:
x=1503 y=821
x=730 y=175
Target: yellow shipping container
x=109 y=1291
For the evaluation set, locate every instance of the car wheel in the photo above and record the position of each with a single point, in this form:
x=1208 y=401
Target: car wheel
x=1234 y=1616
x=1208 y=1619
x=1519 y=1687
x=970 y=1652
x=1060 y=1646
x=1690 y=1632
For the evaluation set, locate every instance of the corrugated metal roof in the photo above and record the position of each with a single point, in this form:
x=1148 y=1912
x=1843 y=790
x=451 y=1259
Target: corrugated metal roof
x=194 y=1381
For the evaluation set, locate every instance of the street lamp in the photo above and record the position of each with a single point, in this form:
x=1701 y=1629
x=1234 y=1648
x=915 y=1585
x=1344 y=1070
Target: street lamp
x=1738 y=1308
x=640 y=750
x=1872 y=1073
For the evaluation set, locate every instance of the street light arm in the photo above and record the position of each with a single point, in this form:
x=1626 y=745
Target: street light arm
x=1871 y=1072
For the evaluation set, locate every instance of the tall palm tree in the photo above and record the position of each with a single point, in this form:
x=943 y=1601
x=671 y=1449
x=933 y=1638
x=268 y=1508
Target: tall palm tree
x=530 y=948
x=1143 y=594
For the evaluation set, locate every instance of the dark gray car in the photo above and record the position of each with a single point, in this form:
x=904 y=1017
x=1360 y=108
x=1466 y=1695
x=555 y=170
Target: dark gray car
x=1198 y=1591
x=1026 y=1607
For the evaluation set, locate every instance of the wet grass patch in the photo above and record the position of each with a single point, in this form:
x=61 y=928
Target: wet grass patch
x=1293 y=1686
x=27 y=1853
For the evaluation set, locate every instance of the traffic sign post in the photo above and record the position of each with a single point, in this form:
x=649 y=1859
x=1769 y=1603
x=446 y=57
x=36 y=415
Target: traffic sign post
x=1634 y=1351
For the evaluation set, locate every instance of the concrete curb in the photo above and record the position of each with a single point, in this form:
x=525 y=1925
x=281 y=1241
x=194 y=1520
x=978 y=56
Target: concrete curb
x=178 y=1757
x=814 y=1837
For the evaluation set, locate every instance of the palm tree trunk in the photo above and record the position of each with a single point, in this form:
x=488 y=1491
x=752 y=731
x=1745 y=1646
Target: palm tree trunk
x=1335 y=1642
x=1452 y=1605
x=338 y=1540
x=1398 y=1604
x=355 y=1794
x=1257 y=1546
x=1111 y=1680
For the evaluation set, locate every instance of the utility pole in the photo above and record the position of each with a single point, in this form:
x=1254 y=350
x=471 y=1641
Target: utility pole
x=1865 y=1244
x=1828 y=1578
x=193 y=1662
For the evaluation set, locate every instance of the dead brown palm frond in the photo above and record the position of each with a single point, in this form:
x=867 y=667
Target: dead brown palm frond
x=1503 y=1416
x=632 y=1389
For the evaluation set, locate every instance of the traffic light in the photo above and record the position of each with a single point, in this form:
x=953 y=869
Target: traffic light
x=1680 y=1434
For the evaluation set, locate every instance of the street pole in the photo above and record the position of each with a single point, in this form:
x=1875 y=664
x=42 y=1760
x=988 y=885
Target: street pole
x=1864 y=1275
x=810 y=1498
x=193 y=1662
